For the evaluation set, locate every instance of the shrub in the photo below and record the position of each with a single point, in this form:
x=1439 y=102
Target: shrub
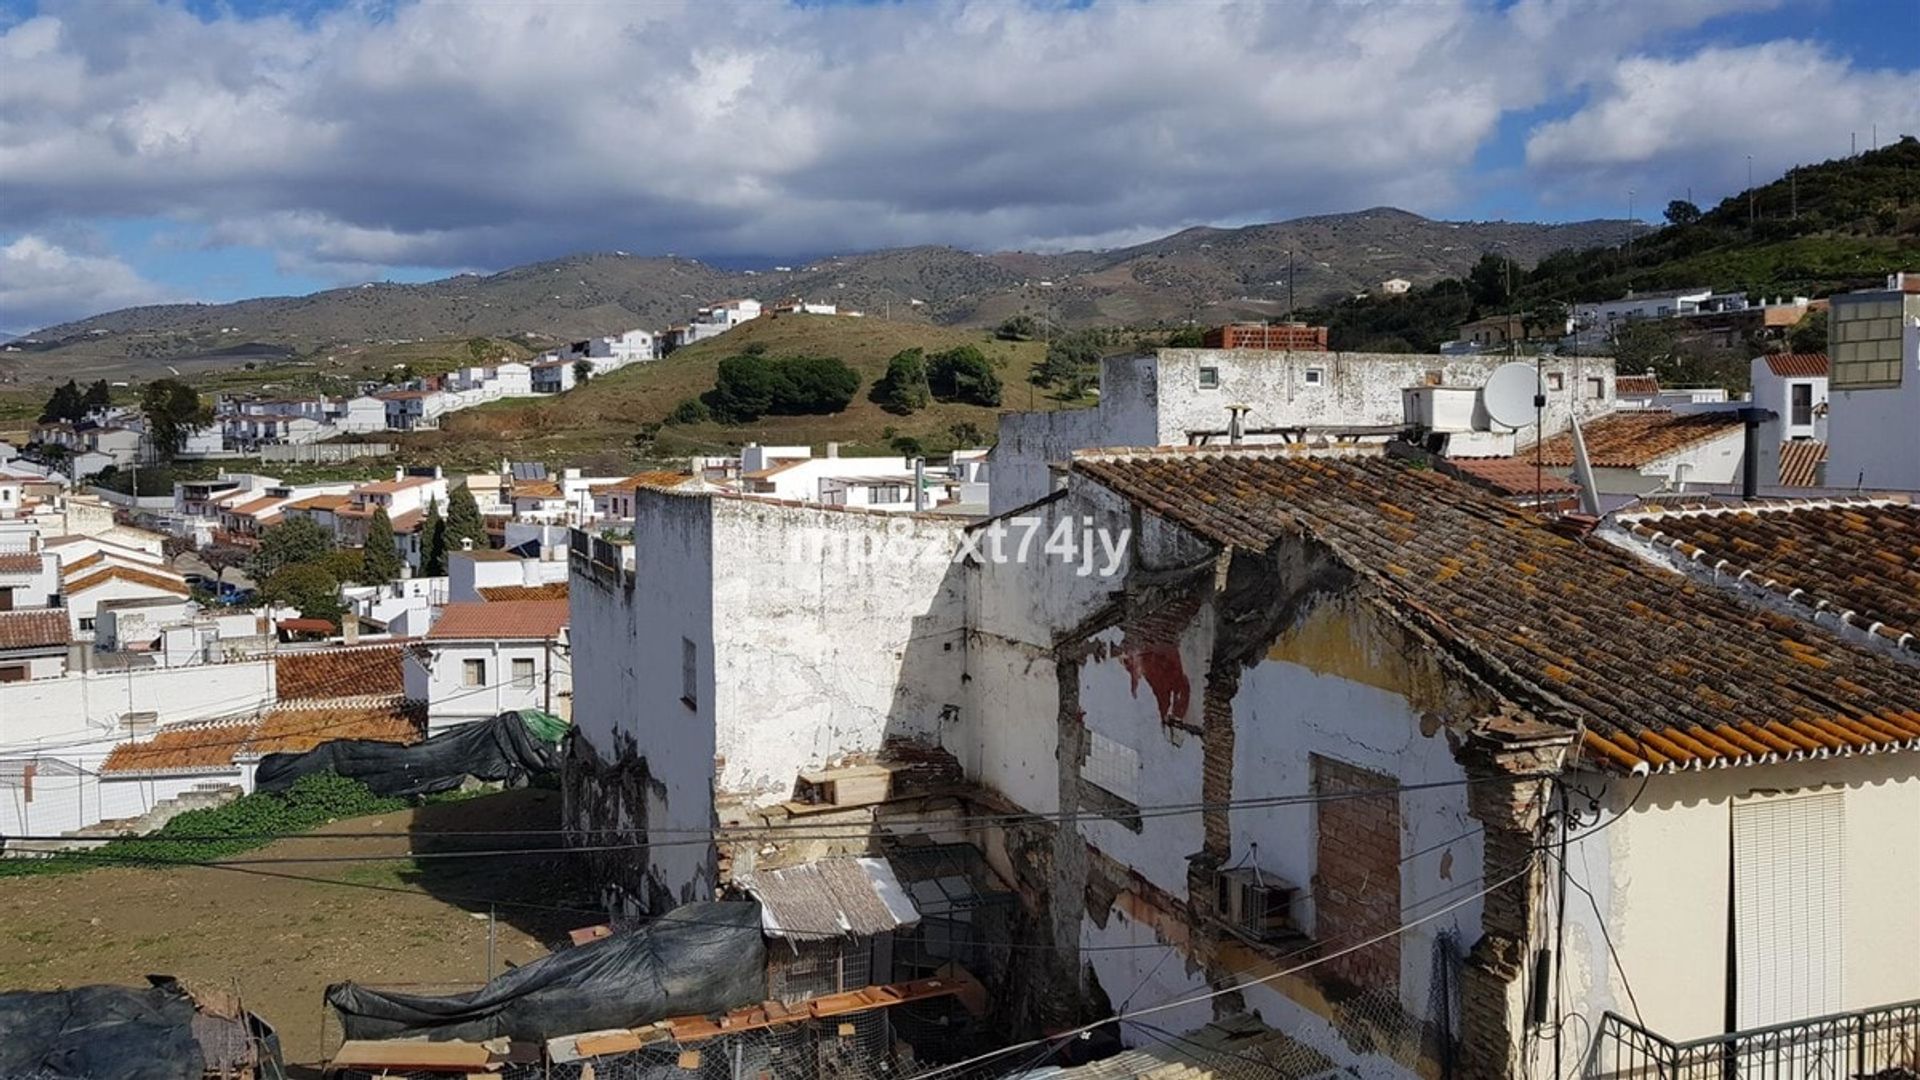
x=750 y=386
x=962 y=374
x=689 y=411
x=904 y=387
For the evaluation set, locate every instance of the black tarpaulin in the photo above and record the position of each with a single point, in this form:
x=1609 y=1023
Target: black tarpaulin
x=99 y=1031
x=698 y=959
x=501 y=749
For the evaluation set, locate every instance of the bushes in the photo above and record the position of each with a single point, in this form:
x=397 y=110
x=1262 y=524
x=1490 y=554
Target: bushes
x=904 y=387
x=751 y=385
x=689 y=411
x=220 y=831
x=962 y=374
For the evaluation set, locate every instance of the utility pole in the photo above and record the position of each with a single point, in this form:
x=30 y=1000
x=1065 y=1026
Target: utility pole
x=546 y=707
x=1793 y=192
x=1749 y=189
x=1289 y=284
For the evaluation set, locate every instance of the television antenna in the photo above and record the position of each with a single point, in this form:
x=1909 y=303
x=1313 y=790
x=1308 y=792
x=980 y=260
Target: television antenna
x=1509 y=393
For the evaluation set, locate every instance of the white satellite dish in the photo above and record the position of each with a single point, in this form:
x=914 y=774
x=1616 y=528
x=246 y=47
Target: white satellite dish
x=1509 y=393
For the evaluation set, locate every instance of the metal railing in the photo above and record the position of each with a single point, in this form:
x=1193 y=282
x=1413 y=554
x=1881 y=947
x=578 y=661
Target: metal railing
x=1842 y=1046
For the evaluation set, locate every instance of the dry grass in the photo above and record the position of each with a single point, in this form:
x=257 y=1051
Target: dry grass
x=606 y=414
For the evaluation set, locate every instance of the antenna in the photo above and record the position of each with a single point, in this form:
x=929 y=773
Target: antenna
x=1509 y=393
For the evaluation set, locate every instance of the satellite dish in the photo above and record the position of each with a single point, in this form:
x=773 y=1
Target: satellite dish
x=1509 y=393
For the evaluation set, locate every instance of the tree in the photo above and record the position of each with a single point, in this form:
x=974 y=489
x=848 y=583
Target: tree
x=67 y=403
x=963 y=374
x=482 y=350
x=908 y=447
x=295 y=540
x=433 y=542
x=966 y=433
x=380 y=559
x=743 y=389
x=1187 y=337
x=1068 y=358
x=464 y=522
x=1017 y=328
x=583 y=370
x=173 y=410
x=904 y=387
x=307 y=586
x=1810 y=336
x=99 y=396
x=347 y=565
x=1489 y=283
x=1682 y=212
x=813 y=385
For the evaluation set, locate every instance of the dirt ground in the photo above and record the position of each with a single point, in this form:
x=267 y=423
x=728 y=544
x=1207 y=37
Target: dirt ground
x=282 y=942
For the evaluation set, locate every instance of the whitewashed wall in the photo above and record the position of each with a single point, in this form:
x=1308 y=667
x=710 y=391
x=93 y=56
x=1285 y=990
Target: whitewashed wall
x=48 y=711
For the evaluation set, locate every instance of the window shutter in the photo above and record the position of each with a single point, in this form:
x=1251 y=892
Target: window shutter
x=1787 y=870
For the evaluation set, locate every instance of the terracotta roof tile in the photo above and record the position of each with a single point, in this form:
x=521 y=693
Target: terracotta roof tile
x=645 y=479
x=336 y=673
x=1650 y=667
x=152 y=580
x=1631 y=439
x=1513 y=475
x=1798 y=365
x=552 y=590
x=321 y=502
x=537 y=489
x=1800 y=461
x=1860 y=557
x=1635 y=385
x=216 y=745
x=36 y=628
x=26 y=562
x=496 y=620
x=256 y=506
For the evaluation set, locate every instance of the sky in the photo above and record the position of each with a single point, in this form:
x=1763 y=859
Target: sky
x=211 y=151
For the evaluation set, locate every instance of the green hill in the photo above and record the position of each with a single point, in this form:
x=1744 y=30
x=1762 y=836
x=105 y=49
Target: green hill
x=1822 y=229
x=623 y=413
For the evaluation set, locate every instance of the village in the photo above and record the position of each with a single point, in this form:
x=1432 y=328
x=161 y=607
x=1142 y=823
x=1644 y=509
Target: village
x=1482 y=713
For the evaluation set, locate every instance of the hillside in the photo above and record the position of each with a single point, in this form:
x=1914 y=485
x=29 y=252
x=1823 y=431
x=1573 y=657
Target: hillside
x=1826 y=228
x=1202 y=274
x=618 y=417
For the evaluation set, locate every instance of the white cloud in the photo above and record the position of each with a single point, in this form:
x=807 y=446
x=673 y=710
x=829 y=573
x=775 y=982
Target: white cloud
x=1667 y=122
x=43 y=283
x=461 y=135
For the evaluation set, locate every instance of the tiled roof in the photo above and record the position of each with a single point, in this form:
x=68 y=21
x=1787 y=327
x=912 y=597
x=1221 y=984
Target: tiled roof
x=335 y=673
x=1513 y=475
x=1861 y=557
x=1800 y=461
x=388 y=487
x=497 y=620
x=152 y=580
x=552 y=590
x=1631 y=439
x=538 y=489
x=645 y=479
x=215 y=745
x=1798 y=365
x=1650 y=666
x=1635 y=385
x=774 y=470
x=254 y=507
x=36 y=628
x=27 y=562
x=321 y=502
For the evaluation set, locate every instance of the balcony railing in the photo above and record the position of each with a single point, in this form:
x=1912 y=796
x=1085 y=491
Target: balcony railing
x=1883 y=1041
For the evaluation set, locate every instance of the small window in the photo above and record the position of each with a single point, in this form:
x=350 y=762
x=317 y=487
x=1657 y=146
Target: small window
x=1597 y=388
x=689 y=674
x=86 y=625
x=1209 y=378
x=1435 y=378
x=890 y=494
x=523 y=674
x=473 y=673
x=1802 y=403
x=1316 y=376
x=1556 y=381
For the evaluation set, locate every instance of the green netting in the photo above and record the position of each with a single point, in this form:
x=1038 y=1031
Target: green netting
x=545 y=726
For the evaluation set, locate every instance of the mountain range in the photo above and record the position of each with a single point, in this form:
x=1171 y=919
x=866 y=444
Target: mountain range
x=1202 y=274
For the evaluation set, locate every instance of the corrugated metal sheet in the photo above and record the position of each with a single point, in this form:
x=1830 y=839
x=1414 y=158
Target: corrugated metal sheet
x=831 y=897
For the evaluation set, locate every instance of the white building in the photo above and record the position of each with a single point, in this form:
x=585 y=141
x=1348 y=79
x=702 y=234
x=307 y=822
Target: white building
x=360 y=415
x=1181 y=397
x=1316 y=722
x=1873 y=342
x=1637 y=451
x=474 y=576
x=34 y=643
x=482 y=659
x=411 y=410
x=29 y=578
x=1608 y=315
x=1395 y=287
x=552 y=376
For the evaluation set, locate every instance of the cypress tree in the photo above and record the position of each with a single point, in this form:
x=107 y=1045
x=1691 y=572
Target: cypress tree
x=433 y=542
x=381 y=557
x=464 y=521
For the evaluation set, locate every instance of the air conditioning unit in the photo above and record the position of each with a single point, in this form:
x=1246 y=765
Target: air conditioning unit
x=1442 y=409
x=1255 y=905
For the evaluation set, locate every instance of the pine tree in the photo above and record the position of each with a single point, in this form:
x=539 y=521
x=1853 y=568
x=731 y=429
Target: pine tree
x=99 y=396
x=463 y=521
x=433 y=542
x=381 y=557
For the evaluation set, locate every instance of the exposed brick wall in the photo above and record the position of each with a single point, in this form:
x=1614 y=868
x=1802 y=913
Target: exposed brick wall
x=1356 y=881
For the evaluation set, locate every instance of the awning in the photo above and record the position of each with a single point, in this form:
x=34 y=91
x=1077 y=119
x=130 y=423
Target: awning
x=831 y=897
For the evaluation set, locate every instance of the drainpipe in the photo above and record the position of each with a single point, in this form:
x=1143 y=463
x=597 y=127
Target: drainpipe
x=919 y=484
